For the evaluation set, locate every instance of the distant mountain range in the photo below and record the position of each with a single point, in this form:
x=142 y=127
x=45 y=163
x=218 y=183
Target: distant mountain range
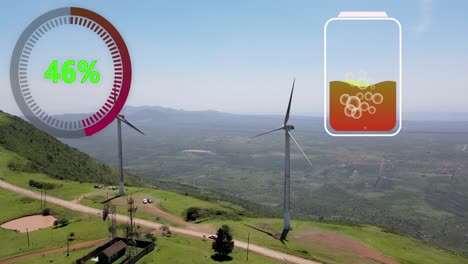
x=410 y=116
x=424 y=122
x=413 y=121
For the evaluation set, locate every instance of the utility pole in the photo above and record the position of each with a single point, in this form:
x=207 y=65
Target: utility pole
x=248 y=243
x=68 y=245
x=27 y=234
x=121 y=179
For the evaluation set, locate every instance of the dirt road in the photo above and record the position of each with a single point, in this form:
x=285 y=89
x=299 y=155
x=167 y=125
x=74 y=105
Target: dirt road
x=283 y=257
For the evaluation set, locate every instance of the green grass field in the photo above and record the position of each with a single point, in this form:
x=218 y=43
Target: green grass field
x=89 y=228
x=174 y=250
x=85 y=227
x=68 y=190
x=18 y=170
x=94 y=200
x=401 y=248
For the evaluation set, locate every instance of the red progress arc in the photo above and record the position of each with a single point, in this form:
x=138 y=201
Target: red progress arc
x=20 y=75
x=122 y=68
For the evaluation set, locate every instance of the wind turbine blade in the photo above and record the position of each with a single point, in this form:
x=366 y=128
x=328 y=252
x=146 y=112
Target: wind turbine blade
x=303 y=153
x=267 y=132
x=289 y=105
x=129 y=124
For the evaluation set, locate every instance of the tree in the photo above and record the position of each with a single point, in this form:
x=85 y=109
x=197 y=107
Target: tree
x=223 y=244
x=192 y=214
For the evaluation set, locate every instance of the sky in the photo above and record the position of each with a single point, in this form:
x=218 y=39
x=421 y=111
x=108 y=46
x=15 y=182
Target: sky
x=241 y=56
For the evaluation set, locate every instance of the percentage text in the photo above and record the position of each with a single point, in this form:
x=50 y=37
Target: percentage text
x=68 y=73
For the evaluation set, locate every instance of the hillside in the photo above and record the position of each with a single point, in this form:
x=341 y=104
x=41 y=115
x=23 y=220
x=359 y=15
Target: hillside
x=415 y=183
x=326 y=241
x=330 y=243
x=47 y=155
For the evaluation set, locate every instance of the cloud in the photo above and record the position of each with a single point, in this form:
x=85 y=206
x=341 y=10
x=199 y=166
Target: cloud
x=425 y=16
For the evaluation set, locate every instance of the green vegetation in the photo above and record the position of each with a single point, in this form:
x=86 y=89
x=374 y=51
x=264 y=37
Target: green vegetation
x=422 y=191
x=65 y=189
x=223 y=244
x=151 y=237
x=61 y=222
x=174 y=250
x=45 y=211
x=390 y=244
x=393 y=245
x=86 y=227
x=327 y=192
x=45 y=154
x=301 y=241
x=242 y=206
x=42 y=185
x=200 y=214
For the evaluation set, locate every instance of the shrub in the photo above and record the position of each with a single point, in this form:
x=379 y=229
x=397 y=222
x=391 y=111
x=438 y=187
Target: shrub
x=42 y=185
x=192 y=214
x=45 y=211
x=151 y=237
x=63 y=222
x=195 y=213
x=166 y=231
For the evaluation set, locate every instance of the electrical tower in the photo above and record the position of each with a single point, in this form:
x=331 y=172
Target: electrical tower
x=109 y=213
x=132 y=233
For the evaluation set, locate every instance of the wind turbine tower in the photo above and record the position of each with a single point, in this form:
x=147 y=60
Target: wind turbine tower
x=120 y=119
x=287 y=151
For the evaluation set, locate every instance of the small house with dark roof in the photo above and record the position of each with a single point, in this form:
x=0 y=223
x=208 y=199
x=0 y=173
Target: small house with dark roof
x=112 y=253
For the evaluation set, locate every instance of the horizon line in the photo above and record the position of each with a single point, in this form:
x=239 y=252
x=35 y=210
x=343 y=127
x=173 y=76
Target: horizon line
x=434 y=115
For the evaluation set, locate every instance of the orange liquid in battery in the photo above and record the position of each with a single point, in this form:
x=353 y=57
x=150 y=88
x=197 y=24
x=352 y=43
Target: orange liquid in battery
x=370 y=108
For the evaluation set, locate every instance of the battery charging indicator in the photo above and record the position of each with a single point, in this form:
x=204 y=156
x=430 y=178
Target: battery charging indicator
x=362 y=75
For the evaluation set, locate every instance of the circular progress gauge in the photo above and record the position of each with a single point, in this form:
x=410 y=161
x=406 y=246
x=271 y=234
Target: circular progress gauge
x=21 y=84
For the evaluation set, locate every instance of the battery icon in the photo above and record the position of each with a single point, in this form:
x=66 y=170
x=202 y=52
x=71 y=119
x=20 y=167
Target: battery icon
x=362 y=75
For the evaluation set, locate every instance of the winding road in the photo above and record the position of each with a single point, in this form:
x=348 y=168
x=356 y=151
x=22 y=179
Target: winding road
x=283 y=257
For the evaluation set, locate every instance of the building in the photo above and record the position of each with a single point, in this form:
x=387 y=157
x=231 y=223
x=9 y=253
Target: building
x=112 y=253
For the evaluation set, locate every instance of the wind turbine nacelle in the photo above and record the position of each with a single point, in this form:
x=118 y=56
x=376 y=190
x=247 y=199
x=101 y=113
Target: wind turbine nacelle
x=289 y=127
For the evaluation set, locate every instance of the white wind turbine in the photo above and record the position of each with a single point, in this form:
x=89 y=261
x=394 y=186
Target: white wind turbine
x=287 y=128
x=120 y=119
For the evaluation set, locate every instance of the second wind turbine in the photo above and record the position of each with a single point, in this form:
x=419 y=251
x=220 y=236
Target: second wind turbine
x=287 y=152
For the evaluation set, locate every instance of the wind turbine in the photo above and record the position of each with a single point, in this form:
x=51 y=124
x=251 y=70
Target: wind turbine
x=120 y=119
x=287 y=129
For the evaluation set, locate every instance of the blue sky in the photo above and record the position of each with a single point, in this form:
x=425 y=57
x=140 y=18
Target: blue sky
x=241 y=56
